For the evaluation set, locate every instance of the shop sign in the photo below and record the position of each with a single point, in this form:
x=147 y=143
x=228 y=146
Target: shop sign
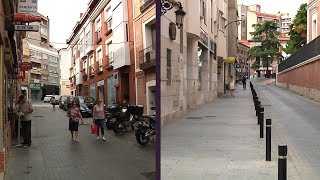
x=231 y=60
x=28 y=6
x=116 y=78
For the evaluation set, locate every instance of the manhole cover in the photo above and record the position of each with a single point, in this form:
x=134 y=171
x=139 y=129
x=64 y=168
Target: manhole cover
x=150 y=175
x=194 y=118
x=266 y=105
x=37 y=116
x=211 y=116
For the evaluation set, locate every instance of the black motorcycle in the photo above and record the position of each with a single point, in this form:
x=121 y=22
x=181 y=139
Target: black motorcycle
x=146 y=129
x=111 y=115
x=127 y=118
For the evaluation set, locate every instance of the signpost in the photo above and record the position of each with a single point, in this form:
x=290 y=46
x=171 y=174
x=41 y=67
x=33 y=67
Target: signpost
x=33 y=28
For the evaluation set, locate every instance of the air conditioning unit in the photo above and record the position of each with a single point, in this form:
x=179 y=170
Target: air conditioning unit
x=151 y=55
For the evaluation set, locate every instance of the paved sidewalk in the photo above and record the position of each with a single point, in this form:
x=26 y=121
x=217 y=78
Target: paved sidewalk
x=220 y=141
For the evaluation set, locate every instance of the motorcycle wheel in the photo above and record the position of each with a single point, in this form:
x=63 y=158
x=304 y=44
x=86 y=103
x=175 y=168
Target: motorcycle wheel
x=109 y=124
x=116 y=128
x=141 y=138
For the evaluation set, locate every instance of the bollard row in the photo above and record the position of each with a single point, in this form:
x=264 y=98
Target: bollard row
x=282 y=149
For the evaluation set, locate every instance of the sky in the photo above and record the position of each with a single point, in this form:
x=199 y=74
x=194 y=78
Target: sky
x=63 y=15
x=274 y=6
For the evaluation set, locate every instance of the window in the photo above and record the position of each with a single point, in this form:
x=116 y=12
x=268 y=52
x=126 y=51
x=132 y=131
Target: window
x=169 y=53
x=109 y=18
x=88 y=43
x=314 y=29
x=99 y=59
x=203 y=10
x=109 y=23
x=98 y=24
x=81 y=46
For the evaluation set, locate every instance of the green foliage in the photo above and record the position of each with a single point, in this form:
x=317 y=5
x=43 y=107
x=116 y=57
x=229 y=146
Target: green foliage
x=298 y=31
x=267 y=34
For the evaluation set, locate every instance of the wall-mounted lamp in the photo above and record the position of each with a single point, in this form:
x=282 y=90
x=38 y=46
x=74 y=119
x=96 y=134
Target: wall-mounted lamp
x=167 y=5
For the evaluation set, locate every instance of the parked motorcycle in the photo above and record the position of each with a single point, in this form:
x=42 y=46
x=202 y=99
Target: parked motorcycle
x=146 y=129
x=127 y=118
x=111 y=115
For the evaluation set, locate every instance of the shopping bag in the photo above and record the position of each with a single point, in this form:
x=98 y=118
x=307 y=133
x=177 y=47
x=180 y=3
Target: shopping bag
x=94 y=129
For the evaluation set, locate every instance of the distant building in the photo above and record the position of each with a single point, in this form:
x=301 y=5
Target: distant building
x=44 y=77
x=65 y=64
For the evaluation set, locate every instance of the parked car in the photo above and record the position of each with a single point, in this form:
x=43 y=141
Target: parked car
x=67 y=103
x=85 y=104
x=62 y=99
x=47 y=98
x=56 y=98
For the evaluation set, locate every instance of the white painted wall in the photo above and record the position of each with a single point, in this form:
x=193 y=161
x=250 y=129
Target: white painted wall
x=120 y=34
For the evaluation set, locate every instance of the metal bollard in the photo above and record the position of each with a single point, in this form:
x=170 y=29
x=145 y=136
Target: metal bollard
x=258 y=108
x=268 y=140
x=282 y=162
x=261 y=121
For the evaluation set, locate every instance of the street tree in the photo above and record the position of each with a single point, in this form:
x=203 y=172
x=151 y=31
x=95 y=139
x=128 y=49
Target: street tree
x=298 y=31
x=267 y=48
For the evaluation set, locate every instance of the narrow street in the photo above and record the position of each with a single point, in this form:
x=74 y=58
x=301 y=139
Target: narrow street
x=296 y=120
x=54 y=156
x=221 y=140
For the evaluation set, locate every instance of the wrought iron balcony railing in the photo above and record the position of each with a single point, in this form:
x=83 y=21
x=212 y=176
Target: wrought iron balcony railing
x=148 y=58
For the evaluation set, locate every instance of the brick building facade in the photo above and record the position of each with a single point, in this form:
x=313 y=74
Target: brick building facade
x=101 y=52
x=145 y=28
x=10 y=56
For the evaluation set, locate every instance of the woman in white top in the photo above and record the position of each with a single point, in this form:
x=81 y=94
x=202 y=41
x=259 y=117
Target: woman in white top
x=232 y=86
x=99 y=117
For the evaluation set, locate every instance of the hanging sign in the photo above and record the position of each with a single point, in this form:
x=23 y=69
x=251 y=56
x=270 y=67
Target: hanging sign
x=230 y=59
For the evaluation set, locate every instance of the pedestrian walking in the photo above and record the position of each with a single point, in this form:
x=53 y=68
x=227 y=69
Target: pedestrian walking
x=53 y=102
x=99 y=118
x=232 y=85
x=75 y=116
x=244 y=82
x=25 y=106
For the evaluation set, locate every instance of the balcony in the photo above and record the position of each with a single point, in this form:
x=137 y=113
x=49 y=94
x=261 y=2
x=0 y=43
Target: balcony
x=108 y=27
x=91 y=71
x=85 y=76
x=148 y=57
x=99 y=66
x=110 y=61
x=98 y=36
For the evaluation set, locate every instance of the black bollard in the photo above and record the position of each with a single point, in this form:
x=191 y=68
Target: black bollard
x=261 y=122
x=282 y=162
x=268 y=140
x=258 y=108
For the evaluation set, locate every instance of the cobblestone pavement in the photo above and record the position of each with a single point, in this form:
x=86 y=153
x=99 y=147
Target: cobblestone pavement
x=221 y=140
x=53 y=156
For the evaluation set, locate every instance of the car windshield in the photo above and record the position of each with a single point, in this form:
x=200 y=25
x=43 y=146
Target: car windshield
x=63 y=98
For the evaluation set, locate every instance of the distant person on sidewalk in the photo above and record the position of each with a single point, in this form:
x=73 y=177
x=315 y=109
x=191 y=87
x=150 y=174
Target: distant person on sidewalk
x=53 y=102
x=99 y=117
x=74 y=115
x=232 y=85
x=25 y=107
x=244 y=82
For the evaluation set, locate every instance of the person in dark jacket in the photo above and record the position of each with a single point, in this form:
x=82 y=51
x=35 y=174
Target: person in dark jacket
x=244 y=82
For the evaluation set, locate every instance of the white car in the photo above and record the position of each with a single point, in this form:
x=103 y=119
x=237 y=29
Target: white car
x=47 y=98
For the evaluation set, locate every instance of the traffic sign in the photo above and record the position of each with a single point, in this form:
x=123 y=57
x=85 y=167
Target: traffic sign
x=34 y=28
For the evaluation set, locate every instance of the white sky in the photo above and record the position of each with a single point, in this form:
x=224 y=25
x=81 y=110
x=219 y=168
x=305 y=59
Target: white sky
x=274 y=6
x=63 y=15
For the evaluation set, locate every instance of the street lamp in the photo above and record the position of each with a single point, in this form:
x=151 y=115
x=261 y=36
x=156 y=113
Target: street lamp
x=232 y=22
x=167 y=5
x=180 y=13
